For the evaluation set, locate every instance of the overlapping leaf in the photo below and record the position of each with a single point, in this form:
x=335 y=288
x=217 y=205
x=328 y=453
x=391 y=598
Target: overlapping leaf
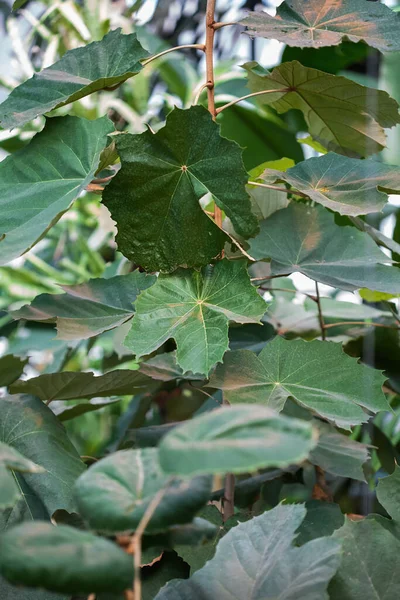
x=342 y=115
x=80 y=72
x=307 y=240
x=11 y=460
x=340 y=456
x=89 y=308
x=11 y=367
x=69 y=385
x=346 y=185
x=63 y=559
x=237 y=440
x=113 y=494
x=194 y=308
x=154 y=198
x=318 y=375
x=319 y=23
x=39 y=182
x=256 y=560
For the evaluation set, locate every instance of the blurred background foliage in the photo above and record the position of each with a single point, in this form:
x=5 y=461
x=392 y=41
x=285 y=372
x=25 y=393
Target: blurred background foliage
x=81 y=246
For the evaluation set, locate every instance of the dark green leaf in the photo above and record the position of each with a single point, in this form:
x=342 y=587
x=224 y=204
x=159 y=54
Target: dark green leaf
x=11 y=460
x=194 y=308
x=80 y=72
x=164 y=367
x=322 y=519
x=89 y=308
x=256 y=561
x=388 y=494
x=170 y=566
x=63 y=559
x=241 y=439
x=342 y=115
x=318 y=375
x=319 y=23
x=154 y=198
x=39 y=182
x=114 y=494
x=307 y=240
x=340 y=455
x=11 y=367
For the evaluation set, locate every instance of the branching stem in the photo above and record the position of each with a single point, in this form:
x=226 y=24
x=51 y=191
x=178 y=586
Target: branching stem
x=222 y=24
x=195 y=46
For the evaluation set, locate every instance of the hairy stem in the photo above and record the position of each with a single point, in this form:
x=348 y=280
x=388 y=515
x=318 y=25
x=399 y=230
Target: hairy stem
x=196 y=46
x=252 y=95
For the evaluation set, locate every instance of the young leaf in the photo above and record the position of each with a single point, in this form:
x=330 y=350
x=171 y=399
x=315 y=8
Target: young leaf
x=319 y=23
x=318 y=375
x=257 y=561
x=241 y=439
x=340 y=456
x=114 y=494
x=90 y=308
x=342 y=115
x=307 y=240
x=80 y=72
x=39 y=182
x=29 y=427
x=154 y=198
x=194 y=308
x=63 y=559
x=73 y=386
x=346 y=185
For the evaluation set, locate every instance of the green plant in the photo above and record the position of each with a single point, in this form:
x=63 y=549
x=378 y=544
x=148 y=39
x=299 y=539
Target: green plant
x=236 y=447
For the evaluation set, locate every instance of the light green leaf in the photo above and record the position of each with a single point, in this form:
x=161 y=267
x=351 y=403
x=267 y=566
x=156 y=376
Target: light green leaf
x=346 y=185
x=63 y=559
x=30 y=428
x=39 y=182
x=319 y=23
x=80 y=72
x=318 y=375
x=340 y=456
x=70 y=385
x=342 y=115
x=194 y=308
x=11 y=367
x=11 y=460
x=265 y=201
x=154 y=198
x=307 y=240
x=256 y=561
x=114 y=494
x=241 y=439
x=90 y=308
x=370 y=562
x=388 y=494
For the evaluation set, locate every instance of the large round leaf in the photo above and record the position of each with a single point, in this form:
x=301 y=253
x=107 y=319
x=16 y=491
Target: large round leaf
x=63 y=559
x=114 y=494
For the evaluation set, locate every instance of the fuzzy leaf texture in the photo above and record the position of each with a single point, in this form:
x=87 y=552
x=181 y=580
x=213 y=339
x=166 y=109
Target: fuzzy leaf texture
x=154 y=198
x=319 y=23
x=194 y=308
x=39 y=182
x=318 y=375
x=80 y=72
x=342 y=115
x=256 y=560
x=306 y=240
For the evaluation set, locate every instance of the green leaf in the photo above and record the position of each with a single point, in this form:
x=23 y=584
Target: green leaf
x=114 y=494
x=11 y=460
x=370 y=562
x=322 y=519
x=73 y=386
x=256 y=561
x=170 y=566
x=66 y=413
x=39 y=182
x=319 y=23
x=342 y=115
x=318 y=375
x=346 y=185
x=164 y=367
x=388 y=493
x=154 y=198
x=19 y=4
x=30 y=428
x=90 y=308
x=63 y=559
x=241 y=439
x=11 y=592
x=80 y=72
x=340 y=455
x=307 y=240
x=11 y=367
x=194 y=308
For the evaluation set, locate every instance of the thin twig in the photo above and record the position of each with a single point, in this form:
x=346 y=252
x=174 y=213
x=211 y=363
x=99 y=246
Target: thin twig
x=137 y=539
x=222 y=24
x=367 y=324
x=200 y=91
x=320 y=315
x=196 y=46
x=236 y=100
x=278 y=189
